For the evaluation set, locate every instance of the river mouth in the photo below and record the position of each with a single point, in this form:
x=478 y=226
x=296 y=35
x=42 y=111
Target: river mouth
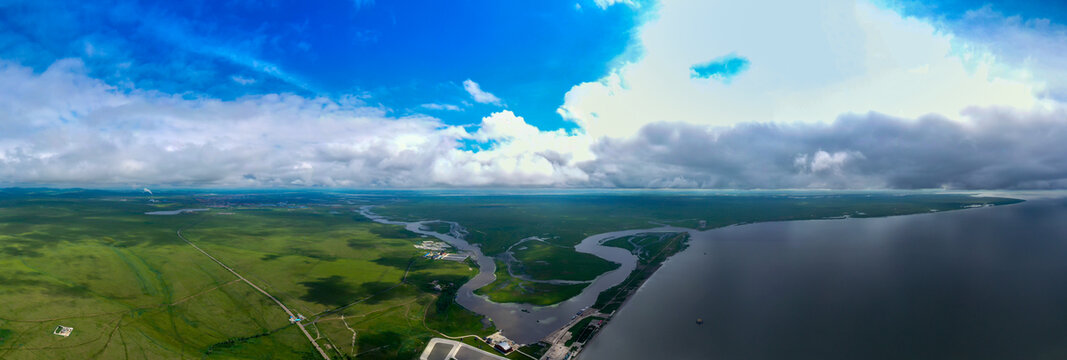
x=524 y=323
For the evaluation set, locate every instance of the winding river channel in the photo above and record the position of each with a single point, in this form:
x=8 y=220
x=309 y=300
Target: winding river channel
x=536 y=322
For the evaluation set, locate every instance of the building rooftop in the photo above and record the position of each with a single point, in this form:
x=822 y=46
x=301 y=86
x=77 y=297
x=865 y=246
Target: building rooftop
x=63 y=331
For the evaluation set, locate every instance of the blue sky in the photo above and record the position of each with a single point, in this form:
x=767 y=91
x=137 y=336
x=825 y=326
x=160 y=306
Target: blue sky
x=589 y=93
x=721 y=69
x=954 y=9
x=398 y=55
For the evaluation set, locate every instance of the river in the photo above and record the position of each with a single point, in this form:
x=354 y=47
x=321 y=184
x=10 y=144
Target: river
x=988 y=283
x=174 y=212
x=526 y=327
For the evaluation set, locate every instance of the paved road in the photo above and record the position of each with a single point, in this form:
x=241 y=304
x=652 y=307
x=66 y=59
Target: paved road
x=443 y=349
x=276 y=301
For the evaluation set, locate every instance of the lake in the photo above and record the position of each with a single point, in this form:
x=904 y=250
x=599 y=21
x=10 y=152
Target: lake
x=988 y=283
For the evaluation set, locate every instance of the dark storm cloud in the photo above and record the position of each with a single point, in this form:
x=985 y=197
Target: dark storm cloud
x=996 y=149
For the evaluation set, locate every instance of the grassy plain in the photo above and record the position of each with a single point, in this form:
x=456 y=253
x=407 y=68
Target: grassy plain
x=536 y=350
x=546 y=261
x=132 y=289
x=507 y=289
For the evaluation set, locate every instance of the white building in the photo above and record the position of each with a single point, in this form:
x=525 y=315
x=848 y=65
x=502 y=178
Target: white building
x=63 y=331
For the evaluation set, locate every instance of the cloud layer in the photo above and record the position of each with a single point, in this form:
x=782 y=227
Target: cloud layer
x=853 y=96
x=805 y=62
x=62 y=127
x=95 y=134
x=1002 y=149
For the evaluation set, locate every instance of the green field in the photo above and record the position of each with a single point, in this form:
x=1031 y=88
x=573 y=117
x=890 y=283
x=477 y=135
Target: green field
x=507 y=289
x=645 y=246
x=131 y=288
x=545 y=261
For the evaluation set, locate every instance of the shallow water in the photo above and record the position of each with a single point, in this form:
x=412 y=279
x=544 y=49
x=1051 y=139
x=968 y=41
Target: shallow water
x=987 y=283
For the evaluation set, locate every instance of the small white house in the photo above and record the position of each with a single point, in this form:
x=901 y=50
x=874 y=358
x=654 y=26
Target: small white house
x=63 y=331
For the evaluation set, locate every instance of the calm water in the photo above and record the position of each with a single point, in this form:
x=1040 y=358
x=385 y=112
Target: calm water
x=985 y=283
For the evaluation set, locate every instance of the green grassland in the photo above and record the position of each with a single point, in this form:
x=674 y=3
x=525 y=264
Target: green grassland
x=132 y=289
x=546 y=261
x=645 y=246
x=536 y=350
x=508 y=289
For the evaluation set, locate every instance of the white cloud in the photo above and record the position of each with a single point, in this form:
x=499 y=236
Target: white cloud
x=478 y=94
x=243 y=80
x=822 y=161
x=436 y=106
x=519 y=154
x=816 y=62
x=604 y=4
x=63 y=127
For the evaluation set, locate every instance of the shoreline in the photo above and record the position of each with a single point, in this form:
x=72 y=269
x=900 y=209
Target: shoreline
x=633 y=283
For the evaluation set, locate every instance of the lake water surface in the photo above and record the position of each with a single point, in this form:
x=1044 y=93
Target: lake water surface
x=987 y=283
